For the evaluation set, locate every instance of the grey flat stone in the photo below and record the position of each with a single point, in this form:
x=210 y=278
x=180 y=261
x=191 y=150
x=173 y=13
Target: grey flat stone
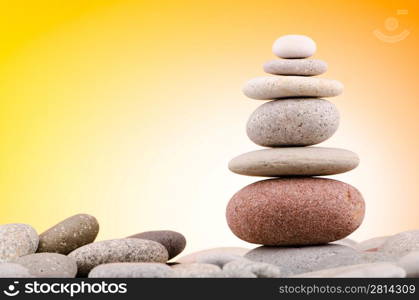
x=17 y=240
x=401 y=244
x=197 y=270
x=294 y=161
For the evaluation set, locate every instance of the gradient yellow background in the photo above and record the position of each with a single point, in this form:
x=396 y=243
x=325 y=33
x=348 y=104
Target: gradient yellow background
x=130 y=110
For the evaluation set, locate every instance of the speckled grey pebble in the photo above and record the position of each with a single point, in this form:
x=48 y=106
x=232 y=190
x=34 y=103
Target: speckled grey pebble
x=121 y=250
x=197 y=270
x=218 y=259
x=174 y=241
x=401 y=244
x=50 y=265
x=293 y=122
x=70 y=234
x=371 y=244
x=17 y=240
x=300 y=67
x=299 y=260
x=13 y=270
x=373 y=270
x=192 y=257
x=270 y=87
x=294 y=161
x=247 y=268
x=132 y=270
x=410 y=263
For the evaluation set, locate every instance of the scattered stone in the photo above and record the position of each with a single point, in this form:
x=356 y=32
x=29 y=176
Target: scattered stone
x=196 y=270
x=250 y=269
x=294 y=161
x=410 y=263
x=293 y=260
x=218 y=259
x=122 y=250
x=401 y=244
x=294 y=46
x=374 y=270
x=301 y=211
x=13 y=270
x=17 y=240
x=174 y=241
x=301 y=67
x=313 y=121
x=50 y=265
x=70 y=234
x=270 y=87
x=192 y=258
x=371 y=244
x=132 y=270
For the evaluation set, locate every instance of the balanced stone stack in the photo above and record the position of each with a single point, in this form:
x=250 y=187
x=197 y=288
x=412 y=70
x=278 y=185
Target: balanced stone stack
x=294 y=209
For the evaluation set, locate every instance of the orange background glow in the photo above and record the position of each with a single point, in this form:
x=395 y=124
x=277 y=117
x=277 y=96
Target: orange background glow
x=131 y=110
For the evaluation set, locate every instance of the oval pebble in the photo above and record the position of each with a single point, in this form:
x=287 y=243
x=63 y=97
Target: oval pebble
x=70 y=234
x=13 y=270
x=49 y=265
x=373 y=270
x=174 y=241
x=269 y=87
x=294 y=161
x=197 y=270
x=121 y=250
x=294 y=46
x=132 y=270
x=300 y=67
x=250 y=269
x=297 y=260
x=313 y=121
x=401 y=244
x=301 y=211
x=17 y=240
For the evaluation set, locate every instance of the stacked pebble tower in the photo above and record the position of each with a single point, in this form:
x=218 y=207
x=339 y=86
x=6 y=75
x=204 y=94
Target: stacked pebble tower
x=294 y=209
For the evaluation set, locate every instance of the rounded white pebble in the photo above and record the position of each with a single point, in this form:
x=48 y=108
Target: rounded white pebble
x=294 y=46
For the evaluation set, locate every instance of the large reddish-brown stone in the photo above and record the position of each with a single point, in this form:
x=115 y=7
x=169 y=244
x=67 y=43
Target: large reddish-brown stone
x=295 y=211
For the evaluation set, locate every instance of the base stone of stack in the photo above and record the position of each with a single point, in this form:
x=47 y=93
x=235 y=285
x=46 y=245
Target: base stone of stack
x=295 y=211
